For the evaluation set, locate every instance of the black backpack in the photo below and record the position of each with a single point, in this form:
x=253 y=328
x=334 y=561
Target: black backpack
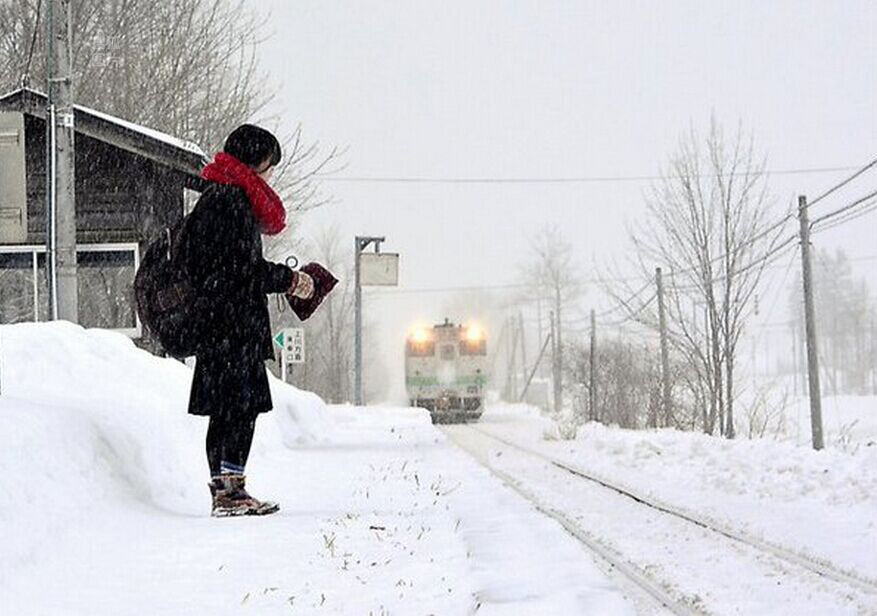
x=164 y=295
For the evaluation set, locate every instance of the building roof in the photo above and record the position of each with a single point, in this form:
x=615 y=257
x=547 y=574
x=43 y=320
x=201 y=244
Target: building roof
x=166 y=149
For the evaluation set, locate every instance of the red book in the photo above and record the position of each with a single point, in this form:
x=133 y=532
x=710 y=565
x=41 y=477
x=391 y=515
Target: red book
x=324 y=282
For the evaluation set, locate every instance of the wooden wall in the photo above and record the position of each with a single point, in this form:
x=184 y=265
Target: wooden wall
x=120 y=196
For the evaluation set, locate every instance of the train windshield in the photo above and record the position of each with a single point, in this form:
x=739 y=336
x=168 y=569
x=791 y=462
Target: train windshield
x=473 y=347
x=448 y=352
x=421 y=348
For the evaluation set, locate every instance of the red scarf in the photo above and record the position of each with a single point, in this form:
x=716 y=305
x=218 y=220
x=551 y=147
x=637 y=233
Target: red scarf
x=267 y=206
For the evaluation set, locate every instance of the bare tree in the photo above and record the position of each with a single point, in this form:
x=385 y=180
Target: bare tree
x=846 y=317
x=327 y=370
x=553 y=280
x=628 y=384
x=185 y=67
x=708 y=224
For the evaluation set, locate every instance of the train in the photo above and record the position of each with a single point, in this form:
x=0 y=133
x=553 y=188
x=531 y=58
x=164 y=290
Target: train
x=446 y=371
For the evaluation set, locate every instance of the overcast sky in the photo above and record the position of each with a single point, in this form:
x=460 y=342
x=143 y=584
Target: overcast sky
x=563 y=89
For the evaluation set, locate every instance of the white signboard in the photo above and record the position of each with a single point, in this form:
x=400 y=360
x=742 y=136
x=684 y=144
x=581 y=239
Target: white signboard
x=294 y=348
x=291 y=341
x=379 y=269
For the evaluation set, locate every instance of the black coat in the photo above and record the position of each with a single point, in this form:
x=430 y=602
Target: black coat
x=221 y=248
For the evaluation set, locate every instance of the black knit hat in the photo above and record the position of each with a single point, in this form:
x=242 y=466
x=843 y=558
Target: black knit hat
x=253 y=145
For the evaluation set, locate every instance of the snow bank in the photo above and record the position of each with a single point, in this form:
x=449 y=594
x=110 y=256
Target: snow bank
x=772 y=409
x=848 y=422
x=88 y=416
x=63 y=364
x=820 y=503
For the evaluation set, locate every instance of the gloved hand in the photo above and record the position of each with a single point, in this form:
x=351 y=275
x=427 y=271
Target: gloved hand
x=302 y=286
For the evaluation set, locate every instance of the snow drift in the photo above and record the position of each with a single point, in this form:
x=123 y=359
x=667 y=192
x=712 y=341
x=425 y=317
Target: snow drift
x=88 y=416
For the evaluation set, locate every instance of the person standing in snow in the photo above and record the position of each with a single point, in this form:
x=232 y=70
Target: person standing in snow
x=221 y=250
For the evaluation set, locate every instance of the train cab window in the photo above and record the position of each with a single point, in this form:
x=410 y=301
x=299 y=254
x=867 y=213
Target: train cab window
x=448 y=351
x=425 y=348
x=473 y=347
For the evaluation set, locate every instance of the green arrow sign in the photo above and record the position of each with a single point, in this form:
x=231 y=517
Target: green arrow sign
x=280 y=338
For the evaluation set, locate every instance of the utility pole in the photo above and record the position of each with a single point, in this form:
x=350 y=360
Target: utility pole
x=555 y=373
x=794 y=334
x=592 y=370
x=535 y=367
x=539 y=316
x=665 y=355
x=512 y=368
x=523 y=346
x=60 y=172
x=558 y=382
x=810 y=326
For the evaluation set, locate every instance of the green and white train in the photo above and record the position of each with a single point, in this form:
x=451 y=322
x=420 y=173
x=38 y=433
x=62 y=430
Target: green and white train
x=446 y=371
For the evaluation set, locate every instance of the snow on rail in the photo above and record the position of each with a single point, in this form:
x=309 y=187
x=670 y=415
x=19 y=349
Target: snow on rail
x=817 y=565
x=613 y=562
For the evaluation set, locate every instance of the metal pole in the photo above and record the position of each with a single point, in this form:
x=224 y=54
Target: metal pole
x=360 y=244
x=513 y=359
x=554 y=376
x=36 y=287
x=558 y=345
x=535 y=367
x=665 y=355
x=51 y=235
x=592 y=370
x=794 y=354
x=810 y=325
x=539 y=314
x=62 y=195
x=523 y=346
x=357 y=388
x=50 y=170
x=283 y=365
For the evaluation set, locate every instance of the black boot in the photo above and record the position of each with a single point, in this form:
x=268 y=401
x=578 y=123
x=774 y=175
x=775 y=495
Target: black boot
x=230 y=498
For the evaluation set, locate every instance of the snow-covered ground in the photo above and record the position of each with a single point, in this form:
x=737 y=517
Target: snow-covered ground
x=822 y=504
x=848 y=422
x=104 y=503
x=772 y=410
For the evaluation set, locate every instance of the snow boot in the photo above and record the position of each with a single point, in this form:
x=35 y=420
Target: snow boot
x=230 y=498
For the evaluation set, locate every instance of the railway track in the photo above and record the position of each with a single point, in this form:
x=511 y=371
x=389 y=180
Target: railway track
x=659 y=592
x=650 y=594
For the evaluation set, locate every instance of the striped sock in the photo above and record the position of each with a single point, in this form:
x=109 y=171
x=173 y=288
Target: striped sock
x=227 y=468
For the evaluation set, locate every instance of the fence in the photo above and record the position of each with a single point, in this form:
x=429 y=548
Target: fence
x=106 y=280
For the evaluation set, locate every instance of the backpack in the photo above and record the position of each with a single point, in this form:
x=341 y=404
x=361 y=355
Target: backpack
x=165 y=297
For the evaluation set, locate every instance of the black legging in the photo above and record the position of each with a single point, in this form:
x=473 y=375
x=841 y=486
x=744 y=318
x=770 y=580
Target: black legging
x=229 y=440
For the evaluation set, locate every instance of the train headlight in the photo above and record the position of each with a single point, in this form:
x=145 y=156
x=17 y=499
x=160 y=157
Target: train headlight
x=419 y=335
x=474 y=334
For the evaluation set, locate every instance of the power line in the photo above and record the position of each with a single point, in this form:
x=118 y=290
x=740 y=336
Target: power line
x=619 y=322
x=767 y=260
x=845 y=214
x=620 y=304
x=843 y=209
x=781 y=285
x=552 y=180
x=843 y=183
x=673 y=273
x=761 y=234
x=848 y=217
x=488 y=287
x=624 y=303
